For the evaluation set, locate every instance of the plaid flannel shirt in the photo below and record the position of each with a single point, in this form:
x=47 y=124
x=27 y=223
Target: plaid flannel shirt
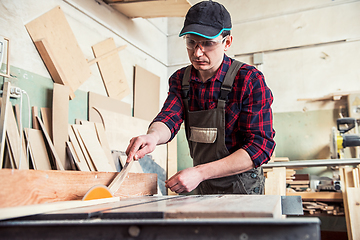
x=248 y=114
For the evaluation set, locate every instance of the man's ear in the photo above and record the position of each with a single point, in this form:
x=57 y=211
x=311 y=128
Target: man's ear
x=228 y=42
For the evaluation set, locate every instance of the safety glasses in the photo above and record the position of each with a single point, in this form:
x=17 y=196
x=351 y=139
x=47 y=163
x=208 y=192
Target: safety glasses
x=205 y=45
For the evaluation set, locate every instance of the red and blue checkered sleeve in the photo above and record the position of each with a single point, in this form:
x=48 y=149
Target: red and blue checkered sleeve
x=256 y=119
x=171 y=113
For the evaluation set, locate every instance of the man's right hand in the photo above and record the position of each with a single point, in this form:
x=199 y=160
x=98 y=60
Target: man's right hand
x=140 y=146
x=158 y=133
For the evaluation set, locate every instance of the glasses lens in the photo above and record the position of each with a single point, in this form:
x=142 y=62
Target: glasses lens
x=206 y=45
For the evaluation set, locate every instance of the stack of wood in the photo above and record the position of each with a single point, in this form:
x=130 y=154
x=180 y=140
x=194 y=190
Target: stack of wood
x=299 y=182
x=323 y=208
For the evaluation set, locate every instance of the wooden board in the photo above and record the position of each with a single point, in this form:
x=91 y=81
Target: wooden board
x=146 y=94
x=83 y=148
x=22 y=211
x=353 y=201
x=93 y=147
x=112 y=72
x=26 y=187
x=81 y=162
x=60 y=119
x=100 y=132
x=3 y=119
x=34 y=113
x=59 y=49
x=107 y=103
x=48 y=142
x=120 y=129
x=151 y=9
x=275 y=182
x=13 y=135
x=46 y=117
x=38 y=149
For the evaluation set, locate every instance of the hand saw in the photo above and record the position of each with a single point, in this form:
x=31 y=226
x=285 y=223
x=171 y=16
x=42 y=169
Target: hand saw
x=101 y=191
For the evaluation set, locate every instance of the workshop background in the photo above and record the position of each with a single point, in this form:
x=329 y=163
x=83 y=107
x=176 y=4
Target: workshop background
x=308 y=51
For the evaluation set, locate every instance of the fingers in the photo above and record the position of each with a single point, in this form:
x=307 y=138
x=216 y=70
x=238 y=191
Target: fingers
x=132 y=149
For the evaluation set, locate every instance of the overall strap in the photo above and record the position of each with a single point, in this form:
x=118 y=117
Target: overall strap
x=228 y=82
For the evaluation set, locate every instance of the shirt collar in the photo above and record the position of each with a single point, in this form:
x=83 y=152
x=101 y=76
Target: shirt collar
x=220 y=73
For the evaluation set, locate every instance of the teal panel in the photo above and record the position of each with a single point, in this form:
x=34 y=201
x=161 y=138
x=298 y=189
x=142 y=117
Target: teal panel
x=183 y=153
x=304 y=135
x=40 y=90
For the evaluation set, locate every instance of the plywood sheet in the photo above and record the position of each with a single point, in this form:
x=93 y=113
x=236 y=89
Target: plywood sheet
x=93 y=147
x=120 y=129
x=60 y=119
x=38 y=149
x=108 y=103
x=82 y=147
x=13 y=136
x=59 y=49
x=112 y=72
x=25 y=187
x=46 y=117
x=146 y=94
x=49 y=143
x=80 y=162
x=3 y=119
x=100 y=132
x=151 y=9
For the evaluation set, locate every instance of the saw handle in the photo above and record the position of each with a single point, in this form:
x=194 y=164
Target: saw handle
x=345 y=124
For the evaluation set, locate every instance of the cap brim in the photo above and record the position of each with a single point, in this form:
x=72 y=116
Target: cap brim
x=203 y=31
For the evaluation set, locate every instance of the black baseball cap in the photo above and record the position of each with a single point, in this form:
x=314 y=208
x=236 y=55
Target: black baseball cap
x=207 y=19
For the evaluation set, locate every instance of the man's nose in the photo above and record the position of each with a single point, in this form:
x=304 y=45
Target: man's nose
x=198 y=50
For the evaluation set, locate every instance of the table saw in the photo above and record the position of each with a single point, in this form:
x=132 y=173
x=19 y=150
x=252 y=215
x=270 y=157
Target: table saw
x=171 y=217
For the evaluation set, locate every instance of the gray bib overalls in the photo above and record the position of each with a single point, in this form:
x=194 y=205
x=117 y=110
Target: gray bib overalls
x=205 y=132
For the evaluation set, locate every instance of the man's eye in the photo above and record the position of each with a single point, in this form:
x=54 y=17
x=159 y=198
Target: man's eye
x=209 y=43
x=191 y=42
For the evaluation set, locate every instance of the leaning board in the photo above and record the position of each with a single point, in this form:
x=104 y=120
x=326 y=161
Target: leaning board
x=59 y=49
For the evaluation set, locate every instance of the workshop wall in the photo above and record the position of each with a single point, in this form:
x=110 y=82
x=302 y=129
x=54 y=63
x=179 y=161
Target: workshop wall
x=91 y=23
x=310 y=49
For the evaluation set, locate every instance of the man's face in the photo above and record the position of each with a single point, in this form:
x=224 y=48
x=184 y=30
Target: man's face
x=206 y=54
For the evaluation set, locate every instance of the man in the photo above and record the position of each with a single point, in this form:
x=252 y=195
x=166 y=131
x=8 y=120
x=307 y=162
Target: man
x=226 y=109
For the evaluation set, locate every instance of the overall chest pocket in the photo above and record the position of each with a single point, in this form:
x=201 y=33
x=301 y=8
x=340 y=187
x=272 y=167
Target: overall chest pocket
x=203 y=135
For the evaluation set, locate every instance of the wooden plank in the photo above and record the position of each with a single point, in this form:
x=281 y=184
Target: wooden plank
x=353 y=205
x=12 y=132
x=120 y=129
x=107 y=103
x=100 y=132
x=275 y=183
x=83 y=148
x=60 y=119
x=38 y=149
x=34 y=113
x=112 y=72
x=22 y=211
x=80 y=162
x=59 y=49
x=146 y=94
x=318 y=196
x=54 y=154
x=345 y=174
x=46 y=117
x=3 y=119
x=151 y=9
x=25 y=187
x=93 y=147
x=105 y=55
